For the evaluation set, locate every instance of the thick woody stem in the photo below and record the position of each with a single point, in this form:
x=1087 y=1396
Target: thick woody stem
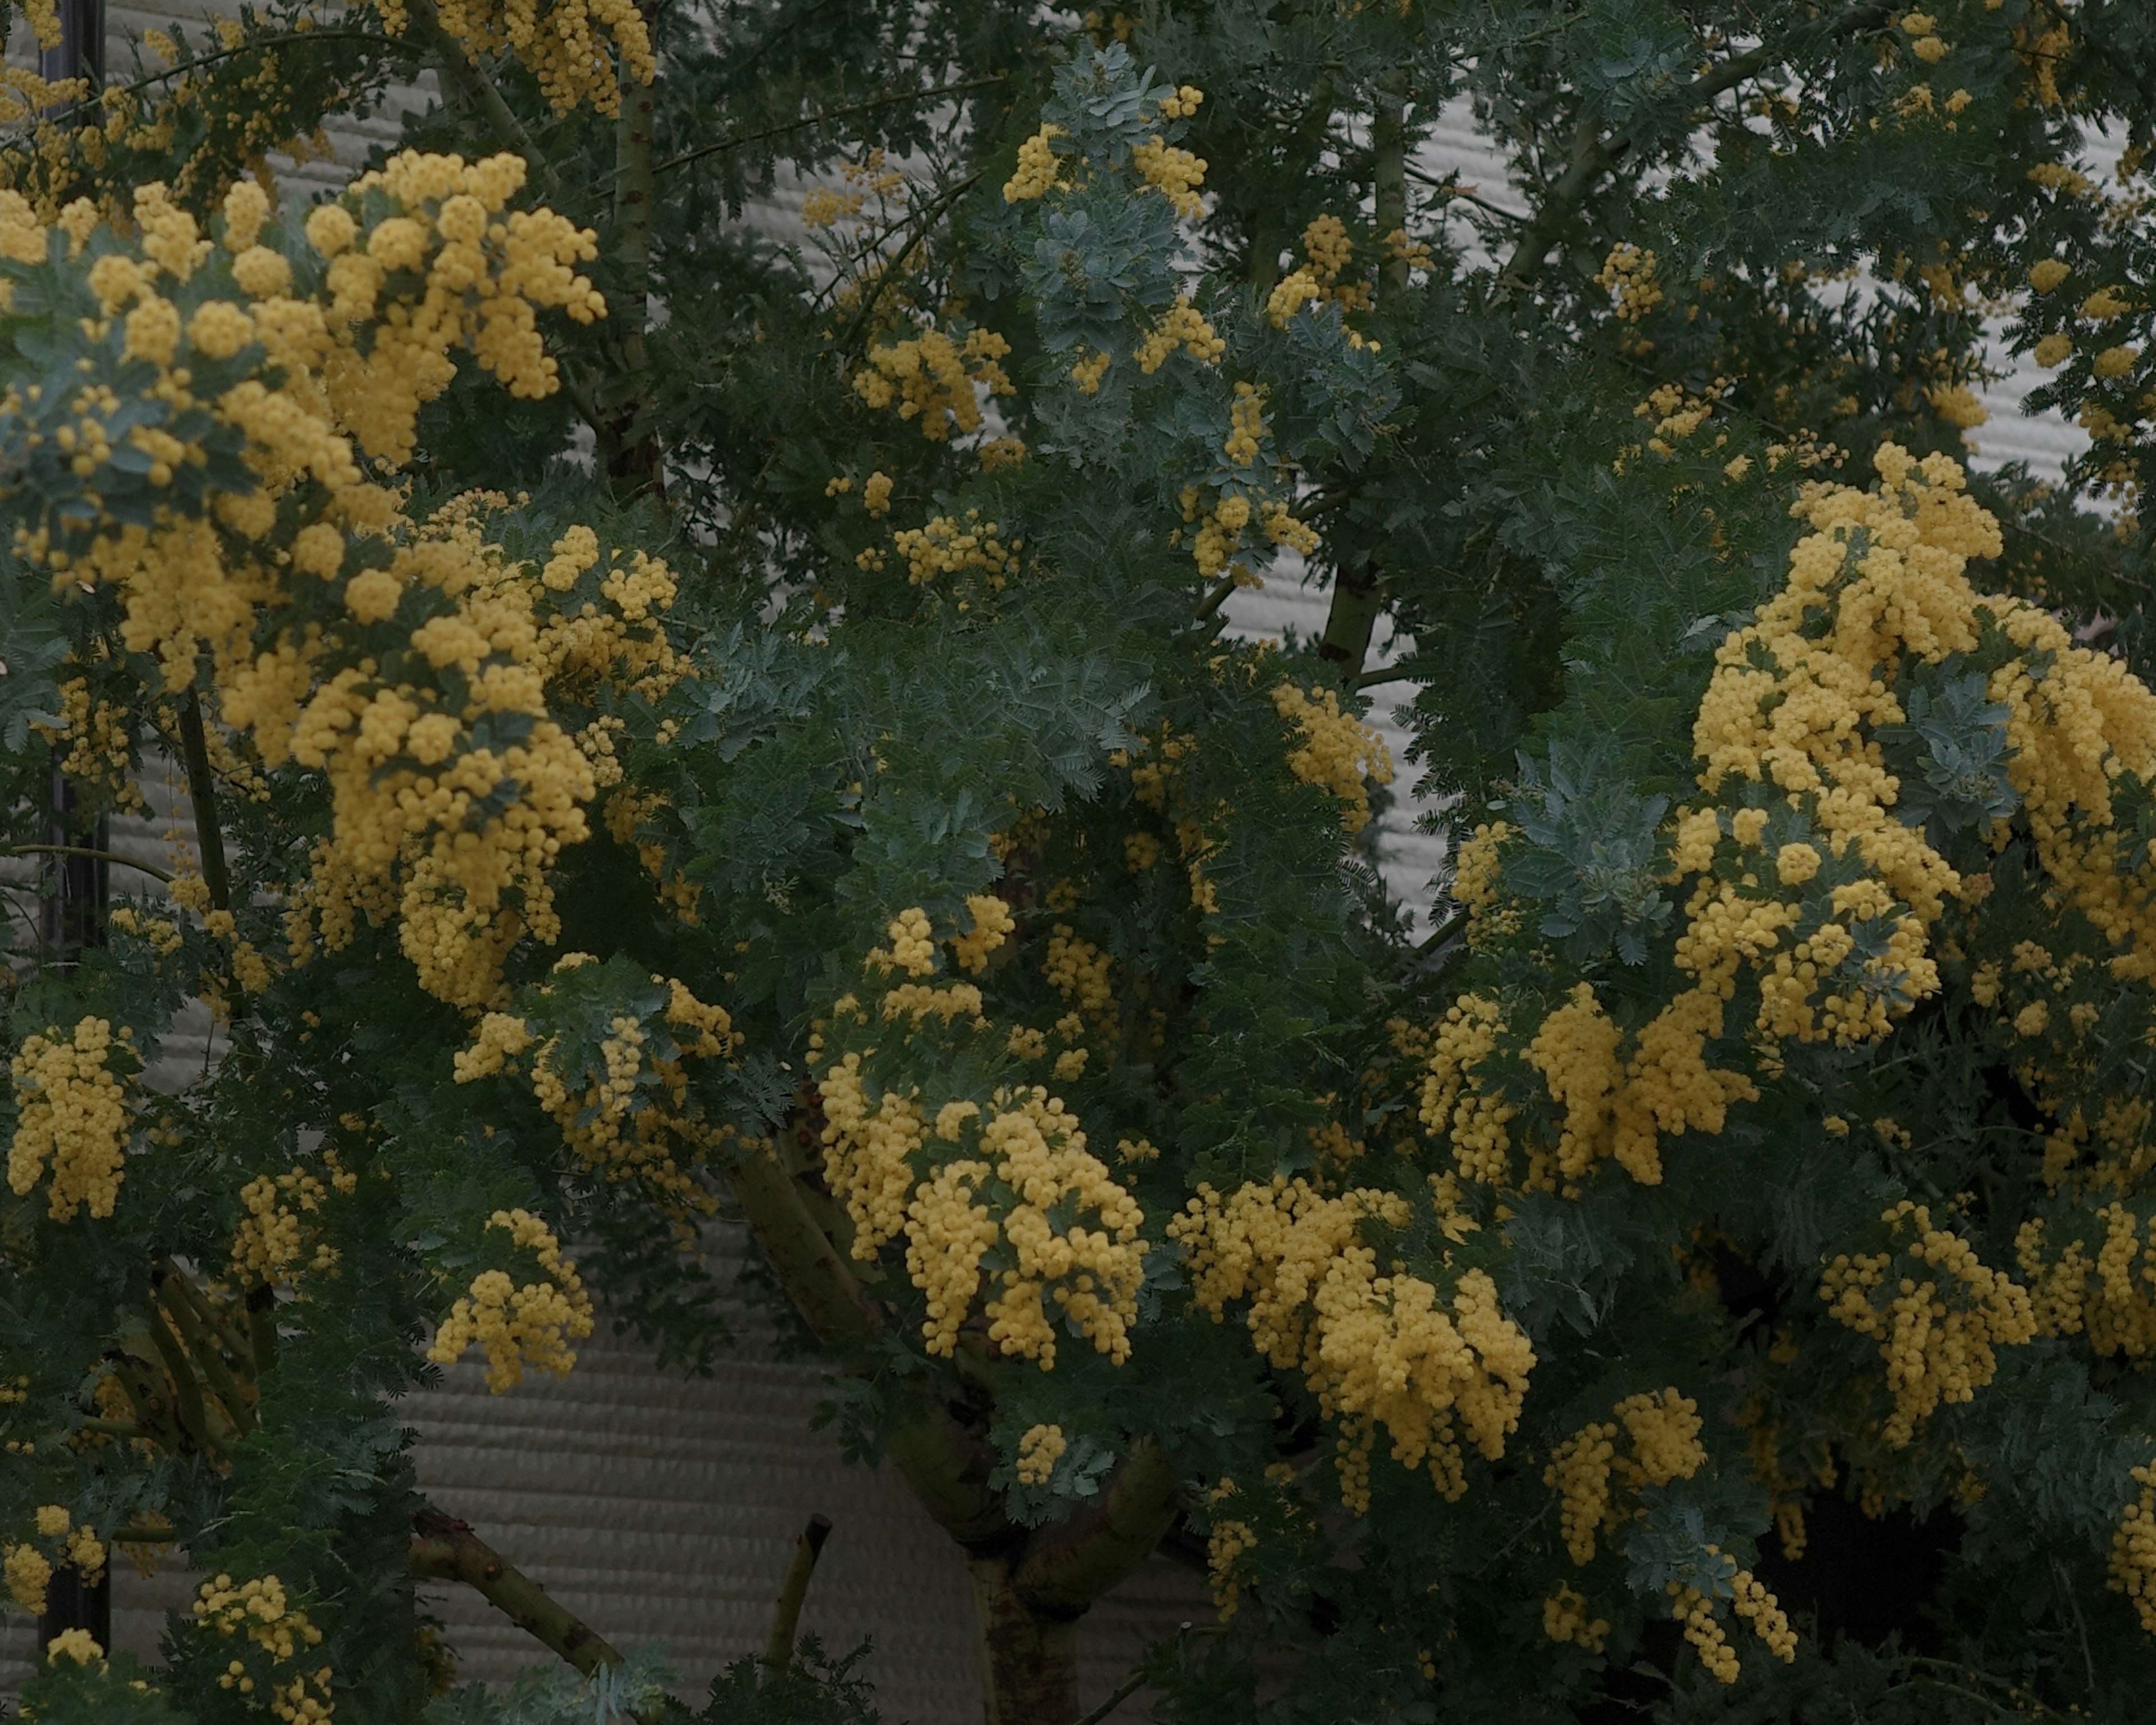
x=1389 y=173
x=945 y=1469
x=633 y=460
x=447 y=1549
x=201 y=792
x=1066 y=1568
x=1029 y=1661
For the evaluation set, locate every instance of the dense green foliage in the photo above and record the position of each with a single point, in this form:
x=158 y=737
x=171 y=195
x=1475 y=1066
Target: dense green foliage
x=935 y=692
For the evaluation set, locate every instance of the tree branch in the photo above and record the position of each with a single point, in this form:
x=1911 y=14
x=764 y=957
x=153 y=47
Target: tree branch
x=1388 y=181
x=463 y=72
x=803 y=125
x=447 y=1549
x=1356 y=600
x=1593 y=153
x=93 y=854
x=785 y=1619
x=940 y=1463
x=1066 y=1568
x=202 y=793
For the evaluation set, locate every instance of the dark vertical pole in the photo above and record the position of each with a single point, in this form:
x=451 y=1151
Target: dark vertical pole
x=78 y=887
x=81 y=50
x=71 y=1604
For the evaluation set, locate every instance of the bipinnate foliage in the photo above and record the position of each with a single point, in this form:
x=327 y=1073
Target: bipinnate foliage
x=688 y=728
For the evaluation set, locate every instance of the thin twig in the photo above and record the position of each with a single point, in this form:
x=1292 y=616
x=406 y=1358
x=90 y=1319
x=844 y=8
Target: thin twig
x=290 y=39
x=802 y=125
x=95 y=855
x=926 y=220
x=1130 y=1687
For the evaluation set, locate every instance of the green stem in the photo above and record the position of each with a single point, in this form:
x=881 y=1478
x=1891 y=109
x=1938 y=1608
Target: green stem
x=786 y=1620
x=193 y=1415
x=201 y=792
x=447 y=1549
x=202 y=1339
x=96 y=855
x=945 y=1471
x=463 y=74
x=828 y=114
x=1124 y=1690
x=1389 y=175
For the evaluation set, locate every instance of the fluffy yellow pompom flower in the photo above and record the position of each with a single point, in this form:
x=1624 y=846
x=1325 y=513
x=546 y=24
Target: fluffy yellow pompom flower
x=1038 y=1452
x=520 y=1328
x=1337 y=752
x=75 y=1117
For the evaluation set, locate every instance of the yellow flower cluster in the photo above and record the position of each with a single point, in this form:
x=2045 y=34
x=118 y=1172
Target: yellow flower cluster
x=1376 y=1349
x=1475 y=876
x=578 y=50
x=948 y=546
x=635 y=1121
x=1093 y=1274
x=1176 y=174
x=258 y=1611
x=1662 y=1434
x=1338 y=752
x=75 y=1116
x=1081 y=973
x=100 y=755
x=1017 y=1172
x=1224 y=1546
x=1329 y=253
x=2134 y=1550
x=1937 y=1332
x=443 y=264
x=1879 y=583
x=1565 y=1618
x=1181 y=324
x=1038 y=1452
x=276 y=1230
x=27 y=1573
x=77 y=1645
x=1629 y=274
x=992 y=924
x=1696 y=1612
x=1453 y=1097
x=1796 y=794
x=1759 y=1607
x=532 y=1326
x=931 y=378
x=2102 y=1297
x=470 y=831
x=1036 y=173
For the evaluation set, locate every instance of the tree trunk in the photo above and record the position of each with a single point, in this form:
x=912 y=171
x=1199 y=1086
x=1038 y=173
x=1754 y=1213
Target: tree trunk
x=1028 y=1662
